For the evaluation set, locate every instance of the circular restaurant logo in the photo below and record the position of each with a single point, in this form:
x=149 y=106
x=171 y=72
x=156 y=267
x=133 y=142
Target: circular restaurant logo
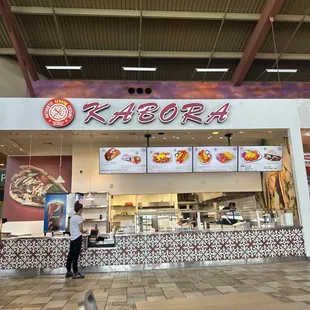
x=58 y=112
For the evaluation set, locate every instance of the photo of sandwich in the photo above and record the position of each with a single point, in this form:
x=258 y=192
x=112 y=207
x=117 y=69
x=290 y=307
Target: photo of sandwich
x=272 y=156
x=132 y=159
x=225 y=157
x=162 y=157
x=30 y=185
x=204 y=156
x=111 y=154
x=181 y=156
x=251 y=156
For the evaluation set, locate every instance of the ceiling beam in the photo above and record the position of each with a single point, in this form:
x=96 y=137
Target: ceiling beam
x=25 y=10
x=17 y=42
x=256 y=40
x=149 y=54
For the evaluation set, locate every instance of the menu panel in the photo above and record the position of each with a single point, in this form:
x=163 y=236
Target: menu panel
x=260 y=158
x=122 y=160
x=215 y=159
x=169 y=159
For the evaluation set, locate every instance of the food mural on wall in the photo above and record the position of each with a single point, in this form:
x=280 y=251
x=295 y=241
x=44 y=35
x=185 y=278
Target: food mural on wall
x=213 y=159
x=30 y=185
x=27 y=185
x=122 y=160
x=169 y=159
x=279 y=187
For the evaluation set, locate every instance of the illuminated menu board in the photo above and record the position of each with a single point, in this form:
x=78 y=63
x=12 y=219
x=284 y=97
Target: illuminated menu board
x=260 y=158
x=215 y=159
x=169 y=159
x=122 y=160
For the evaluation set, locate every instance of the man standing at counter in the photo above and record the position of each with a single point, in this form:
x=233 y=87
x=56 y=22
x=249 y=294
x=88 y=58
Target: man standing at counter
x=230 y=215
x=76 y=231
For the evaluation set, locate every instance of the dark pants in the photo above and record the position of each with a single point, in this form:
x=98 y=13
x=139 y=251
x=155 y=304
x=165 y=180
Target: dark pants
x=74 y=253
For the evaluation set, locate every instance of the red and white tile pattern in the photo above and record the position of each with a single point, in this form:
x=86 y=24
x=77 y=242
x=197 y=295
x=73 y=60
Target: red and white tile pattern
x=158 y=248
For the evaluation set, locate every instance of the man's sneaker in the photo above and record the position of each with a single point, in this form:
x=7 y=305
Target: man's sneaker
x=78 y=276
x=69 y=274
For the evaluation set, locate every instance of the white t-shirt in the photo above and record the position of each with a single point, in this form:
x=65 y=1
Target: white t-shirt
x=75 y=222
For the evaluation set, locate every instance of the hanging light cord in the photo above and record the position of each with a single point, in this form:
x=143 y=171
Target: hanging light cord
x=90 y=160
x=60 y=157
x=30 y=152
x=275 y=48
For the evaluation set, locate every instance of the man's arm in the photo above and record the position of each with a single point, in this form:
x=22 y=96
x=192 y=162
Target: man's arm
x=82 y=228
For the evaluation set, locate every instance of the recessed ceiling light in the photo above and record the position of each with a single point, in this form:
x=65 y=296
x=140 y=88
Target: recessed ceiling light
x=188 y=133
x=20 y=149
x=1 y=164
x=241 y=132
x=2 y=145
x=211 y=69
x=215 y=132
x=139 y=69
x=221 y=137
x=178 y=138
x=116 y=137
x=192 y=138
x=153 y=137
x=281 y=70
x=164 y=138
x=75 y=133
x=44 y=134
x=13 y=133
x=63 y=67
x=269 y=131
x=173 y=137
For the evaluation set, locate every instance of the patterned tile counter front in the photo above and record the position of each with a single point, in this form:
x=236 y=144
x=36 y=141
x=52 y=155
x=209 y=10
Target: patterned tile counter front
x=161 y=248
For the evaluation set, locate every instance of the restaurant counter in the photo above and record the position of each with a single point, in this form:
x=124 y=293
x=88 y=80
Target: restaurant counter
x=155 y=250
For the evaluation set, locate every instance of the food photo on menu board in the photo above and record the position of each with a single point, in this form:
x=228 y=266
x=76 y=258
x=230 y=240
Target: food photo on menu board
x=215 y=159
x=122 y=160
x=260 y=158
x=169 y=159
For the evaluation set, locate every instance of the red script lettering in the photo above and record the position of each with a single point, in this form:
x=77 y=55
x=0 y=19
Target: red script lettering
x=191 y=110
x=93 y=108
x=125 y=114
x=221 y=114
x=146 y=112
x=171 y=110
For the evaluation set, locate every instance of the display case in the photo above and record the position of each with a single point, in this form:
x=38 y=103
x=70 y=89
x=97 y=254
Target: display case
x=165 y=220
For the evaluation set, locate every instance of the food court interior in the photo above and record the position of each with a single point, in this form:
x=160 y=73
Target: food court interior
x=156 y=238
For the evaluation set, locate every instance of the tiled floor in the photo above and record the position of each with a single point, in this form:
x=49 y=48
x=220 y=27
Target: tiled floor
x=289 y=283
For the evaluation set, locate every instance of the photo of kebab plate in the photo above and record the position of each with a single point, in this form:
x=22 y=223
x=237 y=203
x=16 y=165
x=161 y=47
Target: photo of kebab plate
x=272 y=156
x=205 y=157
x=30 y=185
x=134 y=159
x=162 y=157
x=181 y=156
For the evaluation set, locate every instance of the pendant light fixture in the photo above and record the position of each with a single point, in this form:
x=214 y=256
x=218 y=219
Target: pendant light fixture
x=60 y=178
x=90 y=196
